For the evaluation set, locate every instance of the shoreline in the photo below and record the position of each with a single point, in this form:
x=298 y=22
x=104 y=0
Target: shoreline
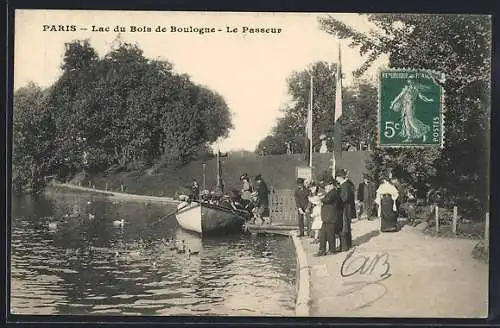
x=303 y=281
x=117 y=195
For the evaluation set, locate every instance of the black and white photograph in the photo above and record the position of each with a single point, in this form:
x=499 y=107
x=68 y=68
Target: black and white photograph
x=264 y=164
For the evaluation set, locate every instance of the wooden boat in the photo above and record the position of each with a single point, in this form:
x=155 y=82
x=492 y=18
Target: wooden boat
x=206 y=218
x=209 y=219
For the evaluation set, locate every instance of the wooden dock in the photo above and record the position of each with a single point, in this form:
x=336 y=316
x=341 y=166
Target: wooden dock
x=271 y=229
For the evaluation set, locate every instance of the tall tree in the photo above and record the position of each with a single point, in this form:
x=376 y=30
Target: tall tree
x=460 y=47
x=66 y=102
x=113 y=112
x=33 y=138
x=358 y=119
x=130 y=109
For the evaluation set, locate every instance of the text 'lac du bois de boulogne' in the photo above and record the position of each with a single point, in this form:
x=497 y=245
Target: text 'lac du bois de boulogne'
x=163 y=29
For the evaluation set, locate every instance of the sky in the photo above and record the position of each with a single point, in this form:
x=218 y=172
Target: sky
x=249 y=70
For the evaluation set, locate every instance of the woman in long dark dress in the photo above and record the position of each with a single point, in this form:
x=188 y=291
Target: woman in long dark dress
x=386 y=198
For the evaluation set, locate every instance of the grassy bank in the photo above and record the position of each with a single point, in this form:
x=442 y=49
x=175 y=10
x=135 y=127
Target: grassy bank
x=279 y=172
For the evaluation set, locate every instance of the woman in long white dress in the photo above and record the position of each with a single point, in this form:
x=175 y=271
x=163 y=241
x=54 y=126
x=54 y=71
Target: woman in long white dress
x=315 y=200
x=386 y=198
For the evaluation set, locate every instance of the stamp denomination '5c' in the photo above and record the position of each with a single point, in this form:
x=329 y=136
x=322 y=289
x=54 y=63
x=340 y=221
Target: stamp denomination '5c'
x=410 y=108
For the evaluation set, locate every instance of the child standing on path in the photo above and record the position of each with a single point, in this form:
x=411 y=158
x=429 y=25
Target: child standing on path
x=315 y=201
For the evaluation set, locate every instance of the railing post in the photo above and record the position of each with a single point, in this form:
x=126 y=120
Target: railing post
x=437 y=219
x=455 y=218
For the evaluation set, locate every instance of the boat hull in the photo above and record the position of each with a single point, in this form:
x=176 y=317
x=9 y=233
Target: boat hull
x=209 y=219
x=189 y=217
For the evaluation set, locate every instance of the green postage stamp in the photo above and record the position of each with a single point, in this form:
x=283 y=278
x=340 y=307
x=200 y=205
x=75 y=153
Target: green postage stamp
x=410 y=108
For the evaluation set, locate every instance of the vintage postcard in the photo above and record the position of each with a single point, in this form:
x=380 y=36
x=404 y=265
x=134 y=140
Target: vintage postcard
x=250 y=164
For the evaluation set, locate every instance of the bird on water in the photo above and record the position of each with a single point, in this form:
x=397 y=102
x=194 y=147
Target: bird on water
x=52 y=225
x=119 y=223
x=182 y=249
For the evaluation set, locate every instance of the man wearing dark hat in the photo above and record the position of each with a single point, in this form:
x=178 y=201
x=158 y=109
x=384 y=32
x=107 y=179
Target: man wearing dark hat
x=366 y=196
x=263 y=196
x=302 y=202
x=353 y=199
x=347 y=195
x=331 y=215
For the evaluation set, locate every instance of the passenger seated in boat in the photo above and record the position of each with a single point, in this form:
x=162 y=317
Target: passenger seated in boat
x=247 y=189
x=257 y=210
x=195 y=190
x=217 y=196
x=239 y=203
x=183 y=198
x=225 y=201
x=212 y=200
x=205 y=196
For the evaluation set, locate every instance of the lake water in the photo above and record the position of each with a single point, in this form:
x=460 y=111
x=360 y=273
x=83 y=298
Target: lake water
x=90 y=266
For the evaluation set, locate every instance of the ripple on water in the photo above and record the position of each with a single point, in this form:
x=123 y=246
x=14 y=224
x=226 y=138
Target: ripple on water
x=69 y=271
x=106 y=268
x=124 y=297
x=97 y=298
x=230 y=276
x=167 y=292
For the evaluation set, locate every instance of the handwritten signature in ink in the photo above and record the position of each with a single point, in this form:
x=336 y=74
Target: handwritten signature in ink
x=365 y=266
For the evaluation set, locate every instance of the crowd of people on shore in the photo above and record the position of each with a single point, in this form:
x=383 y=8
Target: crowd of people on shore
x=326 y=208
x=252 y=198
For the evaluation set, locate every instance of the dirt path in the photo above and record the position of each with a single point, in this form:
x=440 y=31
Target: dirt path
x=119 y=195
x=418 y=276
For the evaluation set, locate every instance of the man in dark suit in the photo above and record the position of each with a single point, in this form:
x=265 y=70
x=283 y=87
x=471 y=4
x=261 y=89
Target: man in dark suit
x=352 y=200
x=263 y=194
x=302 y=202
x=366 y=196
x=331 y=215
x=347 y=195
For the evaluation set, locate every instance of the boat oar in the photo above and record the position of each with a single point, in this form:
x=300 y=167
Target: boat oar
x=170 y=214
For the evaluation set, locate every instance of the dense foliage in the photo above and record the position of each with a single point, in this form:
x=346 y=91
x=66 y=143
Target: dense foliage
x=118 y=112
x=358 y=118
x=33 y=135
x=460 y=47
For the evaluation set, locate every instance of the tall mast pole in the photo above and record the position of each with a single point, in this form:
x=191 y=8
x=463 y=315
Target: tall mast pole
x=218 y=167
x=337 y=148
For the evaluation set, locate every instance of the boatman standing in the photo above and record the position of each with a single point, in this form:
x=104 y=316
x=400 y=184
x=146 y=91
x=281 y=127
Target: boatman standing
x=263 y=195
x=302 y=202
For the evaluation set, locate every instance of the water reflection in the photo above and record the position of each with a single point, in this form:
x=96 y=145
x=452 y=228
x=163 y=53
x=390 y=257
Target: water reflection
x=87 y=265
